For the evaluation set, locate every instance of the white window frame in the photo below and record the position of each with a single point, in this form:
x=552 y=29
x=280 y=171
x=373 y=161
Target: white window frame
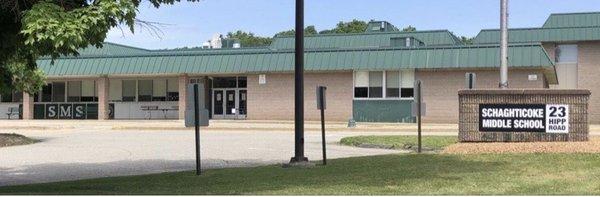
x=384 y=94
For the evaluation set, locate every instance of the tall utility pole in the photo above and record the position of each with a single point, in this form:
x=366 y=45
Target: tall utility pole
x=299 y=86
x=503 y=44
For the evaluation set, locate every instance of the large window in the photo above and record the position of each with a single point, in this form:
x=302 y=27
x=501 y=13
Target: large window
x=129 y=90
x=376 y=84
x=144 y=90
x=88 y=91
x=47 y=93
x=566 y=53
x=11 y=97
x=172 y=90
x=361 y=84
x=74 y=91
x=384 y=84
x=58 y=91
x=392 y=84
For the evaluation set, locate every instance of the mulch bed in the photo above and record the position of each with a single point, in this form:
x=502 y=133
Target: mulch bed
x=591 y=146
x=14 y=140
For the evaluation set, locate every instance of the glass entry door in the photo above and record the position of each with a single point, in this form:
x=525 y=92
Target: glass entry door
x=217 y=108
x=229 y=103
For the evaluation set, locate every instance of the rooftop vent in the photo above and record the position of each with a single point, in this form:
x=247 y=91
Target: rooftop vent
x=405 y=42
x=380 y=26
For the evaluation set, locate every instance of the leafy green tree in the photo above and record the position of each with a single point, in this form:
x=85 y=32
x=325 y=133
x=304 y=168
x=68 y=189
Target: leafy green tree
x=466 y=40
x=354 y=26
x=248 y=39
x=30 y=29
x=309 y=30
x=410 y=28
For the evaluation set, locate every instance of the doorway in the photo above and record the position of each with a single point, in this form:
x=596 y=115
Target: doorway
x=229 y=97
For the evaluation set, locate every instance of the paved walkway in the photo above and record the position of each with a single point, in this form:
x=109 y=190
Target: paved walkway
x=73 y=150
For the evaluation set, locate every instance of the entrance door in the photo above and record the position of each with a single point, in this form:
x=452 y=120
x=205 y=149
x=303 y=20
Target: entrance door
x=218 y=102
x=230 y=101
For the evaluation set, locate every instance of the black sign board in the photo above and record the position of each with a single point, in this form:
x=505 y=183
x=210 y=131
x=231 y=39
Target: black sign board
x=550 y=118
x=69 y=111
x=51 y=111
x=79 y=111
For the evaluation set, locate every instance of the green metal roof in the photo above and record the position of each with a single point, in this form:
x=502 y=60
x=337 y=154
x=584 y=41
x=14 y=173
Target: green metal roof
x=565 y=27
x=261 y=60
x=109 y=48
x=378 y=39
x=585 y=19
x=528 y=35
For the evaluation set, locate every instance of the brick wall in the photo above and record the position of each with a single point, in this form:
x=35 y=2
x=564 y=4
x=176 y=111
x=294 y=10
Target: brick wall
x=440 y=89
x=275 y=99
x=588 y=71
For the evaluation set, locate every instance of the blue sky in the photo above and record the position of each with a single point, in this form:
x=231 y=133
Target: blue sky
x=190 y=24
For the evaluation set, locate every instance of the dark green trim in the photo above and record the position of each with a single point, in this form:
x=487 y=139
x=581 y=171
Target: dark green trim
x=382 y=111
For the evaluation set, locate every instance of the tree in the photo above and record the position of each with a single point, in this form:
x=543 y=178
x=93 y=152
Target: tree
x=248 y=39
x=354 y=26
x=409 y=28
x=30 y=29
x=466 y=40
x=309 y=30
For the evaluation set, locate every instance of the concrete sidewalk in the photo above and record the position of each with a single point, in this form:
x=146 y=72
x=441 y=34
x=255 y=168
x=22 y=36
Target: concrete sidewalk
x=216 y=125
x=229 y=125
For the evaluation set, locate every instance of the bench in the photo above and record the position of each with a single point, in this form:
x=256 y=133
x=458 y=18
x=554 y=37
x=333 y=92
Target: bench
x=13 y=111
x=149 y=109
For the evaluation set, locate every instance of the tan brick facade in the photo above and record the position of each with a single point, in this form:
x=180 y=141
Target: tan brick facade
x=588 y=71
x=440 y=89
x=275 y=99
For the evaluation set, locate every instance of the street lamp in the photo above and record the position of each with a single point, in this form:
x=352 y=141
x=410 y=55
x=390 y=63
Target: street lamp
x=299 y=86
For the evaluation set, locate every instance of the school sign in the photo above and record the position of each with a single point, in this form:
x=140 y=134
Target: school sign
x=523 y=115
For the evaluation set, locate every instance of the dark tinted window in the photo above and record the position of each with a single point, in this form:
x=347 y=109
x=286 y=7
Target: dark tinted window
x=361 y=92
x=58 y=92
x=225 y=82
x=407 y=93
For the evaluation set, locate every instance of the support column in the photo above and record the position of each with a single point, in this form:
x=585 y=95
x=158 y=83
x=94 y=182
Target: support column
x=27 y=106
x=102 y=87
x=183 y=81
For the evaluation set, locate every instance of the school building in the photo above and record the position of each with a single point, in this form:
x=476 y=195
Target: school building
x=369 y=76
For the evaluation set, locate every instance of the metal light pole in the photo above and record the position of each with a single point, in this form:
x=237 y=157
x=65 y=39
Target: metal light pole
x=503 y=44
x=299 y=86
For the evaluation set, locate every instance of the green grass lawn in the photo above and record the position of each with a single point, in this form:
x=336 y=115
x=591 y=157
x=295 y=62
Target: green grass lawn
x=400 y=141
x=388 y=174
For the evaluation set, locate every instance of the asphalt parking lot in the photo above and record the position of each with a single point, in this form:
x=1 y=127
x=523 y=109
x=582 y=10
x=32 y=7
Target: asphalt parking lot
x=73 y=150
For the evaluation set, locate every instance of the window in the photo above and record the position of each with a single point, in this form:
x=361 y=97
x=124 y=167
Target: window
x=566 y=53
x=74 y=91
x=172 y=90
x=361 y=84
x=88 y=91
x=159 y=90
x=225 y=82
x=58 y=91
x=392 y=84
x=408 y=83
x=370 y=84
x=115 y=90
x=145 y=90
x=47 y=93
x=129 y=90
x=375 y=84
x=242 y=82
